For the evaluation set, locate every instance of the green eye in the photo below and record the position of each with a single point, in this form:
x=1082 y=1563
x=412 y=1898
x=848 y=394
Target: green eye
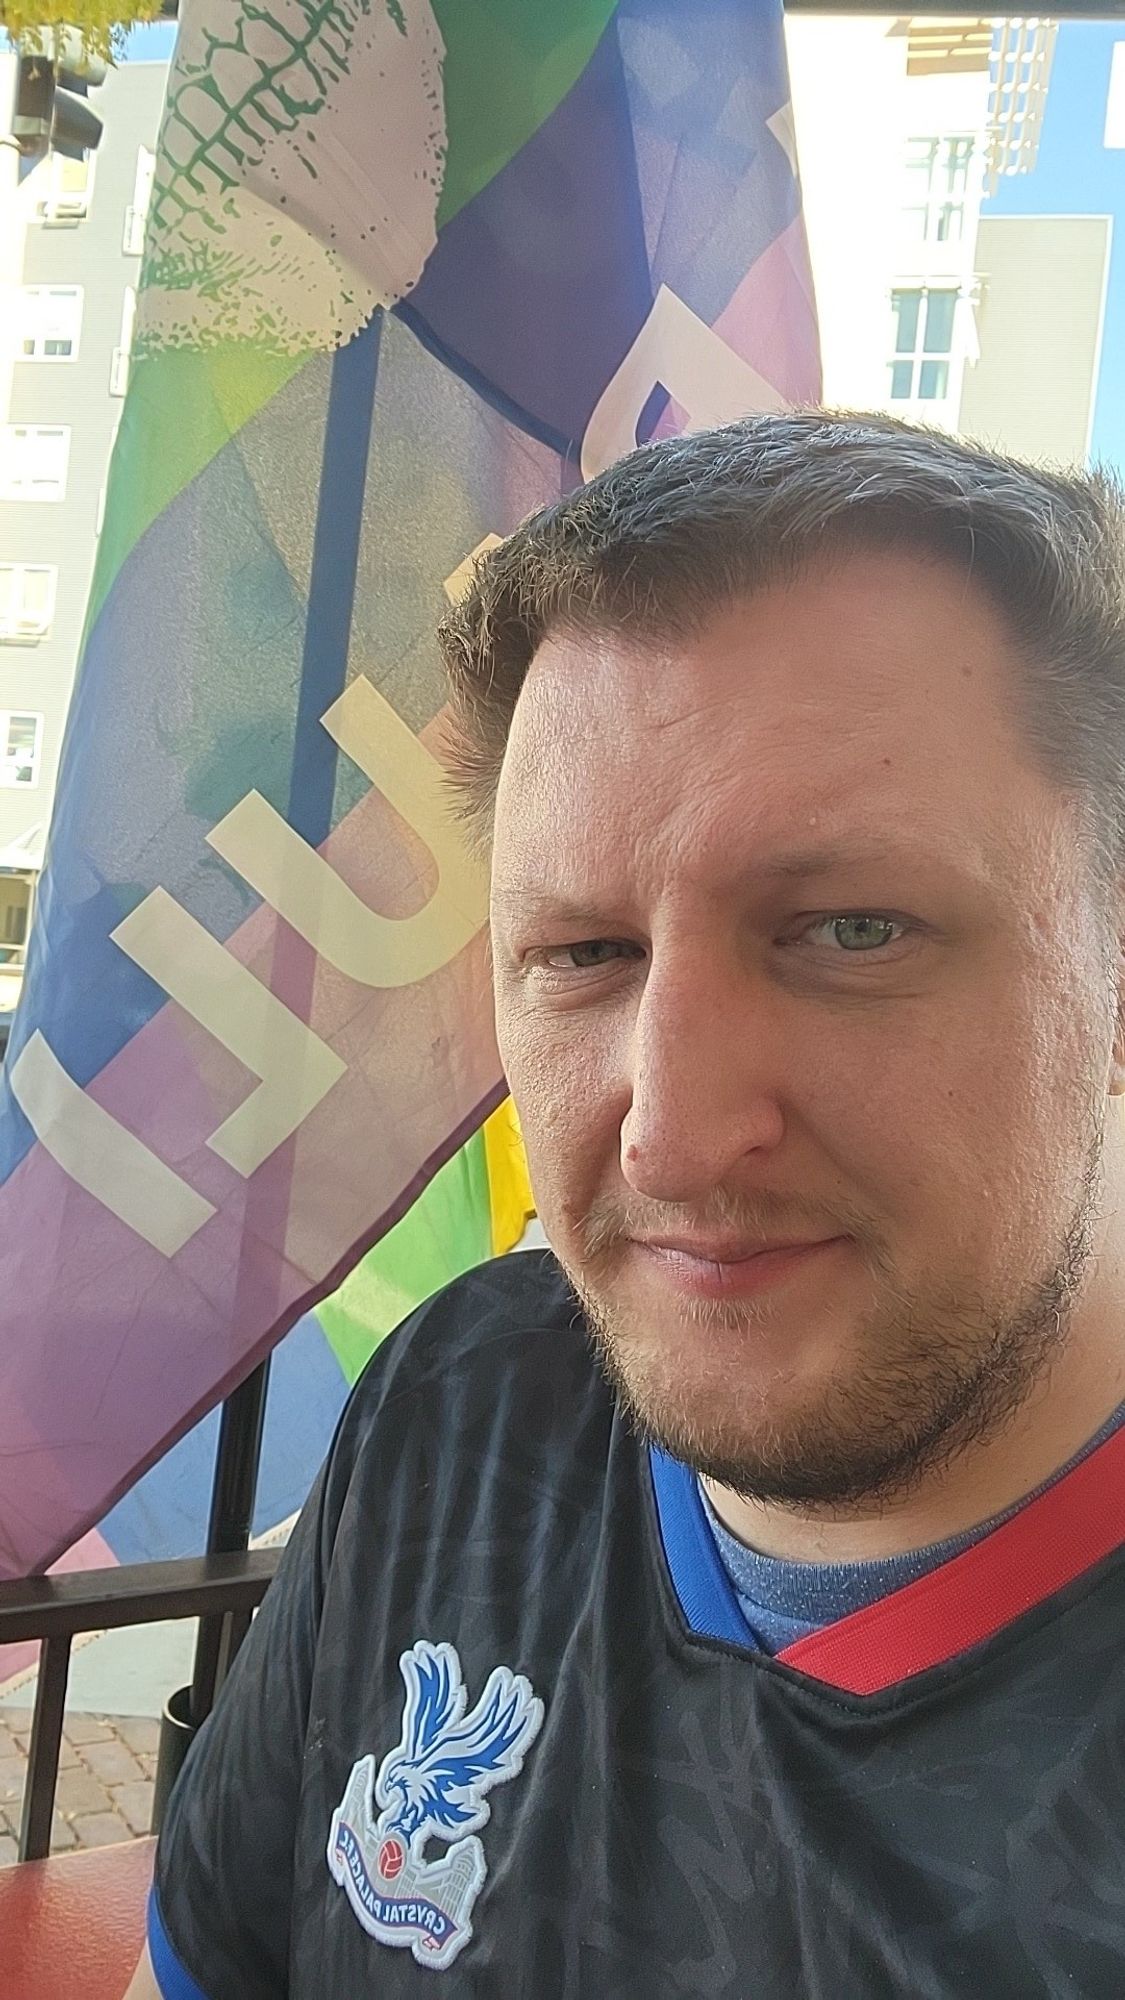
x=863 y=933
x=593 y=952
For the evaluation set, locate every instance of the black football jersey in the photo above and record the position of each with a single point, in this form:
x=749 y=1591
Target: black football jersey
x=498 y=1729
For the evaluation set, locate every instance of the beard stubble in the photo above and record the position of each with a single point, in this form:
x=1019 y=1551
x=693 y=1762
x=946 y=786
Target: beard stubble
x=936 y=1371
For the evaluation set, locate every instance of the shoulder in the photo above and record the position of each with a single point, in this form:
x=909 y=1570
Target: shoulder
x=496 y=1357
x=516 y=1313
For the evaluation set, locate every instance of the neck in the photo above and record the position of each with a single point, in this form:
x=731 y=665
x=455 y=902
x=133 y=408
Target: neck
x=1064 y=1410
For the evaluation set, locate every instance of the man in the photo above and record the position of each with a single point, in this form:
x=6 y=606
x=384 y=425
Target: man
x=756 y=1629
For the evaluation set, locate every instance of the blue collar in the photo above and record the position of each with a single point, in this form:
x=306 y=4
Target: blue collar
x=704 y=1590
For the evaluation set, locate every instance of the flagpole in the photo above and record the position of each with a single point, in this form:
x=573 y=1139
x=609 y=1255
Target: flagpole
x=328 y=625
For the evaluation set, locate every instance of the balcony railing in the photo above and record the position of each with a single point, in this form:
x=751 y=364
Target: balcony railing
x=224 y=1590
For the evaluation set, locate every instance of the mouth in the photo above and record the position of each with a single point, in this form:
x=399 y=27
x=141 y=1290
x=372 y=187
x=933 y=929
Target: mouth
x=725 y=1269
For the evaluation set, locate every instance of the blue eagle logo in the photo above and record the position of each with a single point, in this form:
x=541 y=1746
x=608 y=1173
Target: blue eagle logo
x=432 y=1784
x=435 y=1781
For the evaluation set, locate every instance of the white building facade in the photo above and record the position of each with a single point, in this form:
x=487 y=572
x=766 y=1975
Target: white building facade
x=902 y=124
x=71 y=234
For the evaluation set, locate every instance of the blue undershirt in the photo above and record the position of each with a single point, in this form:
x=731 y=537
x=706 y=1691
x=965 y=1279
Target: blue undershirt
x=785 y=1601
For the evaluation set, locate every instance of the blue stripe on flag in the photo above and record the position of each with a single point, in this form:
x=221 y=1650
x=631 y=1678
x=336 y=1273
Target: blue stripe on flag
x=84 y=994
x=328 y=625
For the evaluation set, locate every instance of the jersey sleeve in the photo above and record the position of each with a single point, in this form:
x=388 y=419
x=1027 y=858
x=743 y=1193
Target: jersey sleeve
x=219 y=1912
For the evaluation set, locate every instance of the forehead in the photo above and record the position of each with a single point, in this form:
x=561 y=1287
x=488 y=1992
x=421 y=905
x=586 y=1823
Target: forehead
x=876 y=699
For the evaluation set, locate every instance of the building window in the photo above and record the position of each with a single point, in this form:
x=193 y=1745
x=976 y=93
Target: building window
x=119 y=365
x=137 y=211
x=937 y=187
x=27 y=601
x=50 y=321
x=21 y=742
x=923 y=345
x=15 y=911
x=33 y=460
x=66 y=189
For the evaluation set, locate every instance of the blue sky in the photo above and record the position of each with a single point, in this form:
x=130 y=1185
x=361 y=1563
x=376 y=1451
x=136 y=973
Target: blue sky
x=151 y=41
x=1076 y=175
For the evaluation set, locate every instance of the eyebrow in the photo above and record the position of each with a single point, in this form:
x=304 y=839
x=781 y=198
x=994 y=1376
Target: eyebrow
x=547 y=903
x=806 y=861
x=797 y=865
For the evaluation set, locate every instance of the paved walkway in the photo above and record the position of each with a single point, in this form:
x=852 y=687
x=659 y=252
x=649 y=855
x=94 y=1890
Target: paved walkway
x=105 y=1787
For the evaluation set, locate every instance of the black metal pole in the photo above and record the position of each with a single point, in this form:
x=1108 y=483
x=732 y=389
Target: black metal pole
x=235 y=1485
x=233 y=1489
x=43 y=1750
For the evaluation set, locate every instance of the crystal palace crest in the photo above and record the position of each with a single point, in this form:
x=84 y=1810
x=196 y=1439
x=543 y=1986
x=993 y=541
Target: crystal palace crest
x=431 y=1786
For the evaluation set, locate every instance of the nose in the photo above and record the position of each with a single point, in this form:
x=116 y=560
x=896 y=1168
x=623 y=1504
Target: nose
x=706 y=1081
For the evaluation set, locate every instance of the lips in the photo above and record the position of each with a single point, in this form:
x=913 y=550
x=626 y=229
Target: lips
x=725 y=1250
x=714 y=1267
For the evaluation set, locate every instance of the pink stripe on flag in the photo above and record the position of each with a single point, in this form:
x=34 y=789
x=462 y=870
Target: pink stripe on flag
x=771 y=318
x=165 y=1337
x=90 y=1553
x=771 y=322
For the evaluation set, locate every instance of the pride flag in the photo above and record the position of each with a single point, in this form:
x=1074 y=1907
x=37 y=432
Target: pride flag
x=413 y=267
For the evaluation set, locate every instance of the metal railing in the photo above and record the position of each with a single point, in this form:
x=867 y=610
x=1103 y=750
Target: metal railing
x=224 y=1590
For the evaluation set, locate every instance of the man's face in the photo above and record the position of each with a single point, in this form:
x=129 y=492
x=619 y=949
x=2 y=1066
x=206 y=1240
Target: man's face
x=803 y=998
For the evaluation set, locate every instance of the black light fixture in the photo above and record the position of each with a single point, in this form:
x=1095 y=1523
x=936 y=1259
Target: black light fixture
x=52 y=114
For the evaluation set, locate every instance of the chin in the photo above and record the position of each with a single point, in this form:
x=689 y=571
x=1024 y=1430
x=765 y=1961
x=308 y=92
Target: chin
x=767 y=1358
x=784 y=1443
x=824 y=1432
x=709 y=1393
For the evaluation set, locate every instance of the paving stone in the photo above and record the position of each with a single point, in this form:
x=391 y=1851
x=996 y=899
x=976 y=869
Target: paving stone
x=87 y=1728
x=140 y=1732
x=11 y=1778
x=105 y=1789
x=80 y=1792
x=113 y=1763
x=9 y=1852
x=134 y=1803
x=100 y=1829
x=68 y=1754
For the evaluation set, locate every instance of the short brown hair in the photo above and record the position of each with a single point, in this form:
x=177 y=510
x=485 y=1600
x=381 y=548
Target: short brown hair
x=678 y=529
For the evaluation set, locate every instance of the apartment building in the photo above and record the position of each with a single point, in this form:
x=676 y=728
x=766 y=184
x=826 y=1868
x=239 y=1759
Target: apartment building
x=1050 y=383
x=904 y=128
x=71 y=234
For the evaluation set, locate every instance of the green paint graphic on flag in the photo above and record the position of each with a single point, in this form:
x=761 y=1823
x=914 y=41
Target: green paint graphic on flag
x=183 y=405
x=447 y=1231
x=504 y=68
x=507 y=67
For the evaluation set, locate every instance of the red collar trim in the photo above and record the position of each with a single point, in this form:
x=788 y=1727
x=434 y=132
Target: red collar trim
x=1073 y=1525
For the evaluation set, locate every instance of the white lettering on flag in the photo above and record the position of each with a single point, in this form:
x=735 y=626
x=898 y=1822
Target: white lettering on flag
x=296 y=1069
x=680 y=352
x=105 y=1159
x=305 y=889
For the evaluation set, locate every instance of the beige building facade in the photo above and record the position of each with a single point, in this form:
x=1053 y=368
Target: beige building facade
x=928 y=309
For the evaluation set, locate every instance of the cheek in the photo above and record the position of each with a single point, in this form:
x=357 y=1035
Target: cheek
x=981 y=1134
x=921 y=1120
x=569 y=1101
